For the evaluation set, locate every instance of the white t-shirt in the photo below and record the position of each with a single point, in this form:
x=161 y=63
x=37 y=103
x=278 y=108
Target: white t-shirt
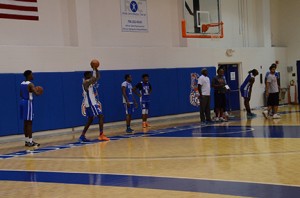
x=273 y=87
x=205 y=85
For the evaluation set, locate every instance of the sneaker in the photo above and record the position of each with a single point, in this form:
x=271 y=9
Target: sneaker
x=251 y=115
x=217 y=119
x=222 y=119
x=266 y=114
x=129 y=130
x=144 y=125
x=82 y=138
x=103 y=138
x=27 y=143
x=271 y=114
x=276 y=116
x=33 y=144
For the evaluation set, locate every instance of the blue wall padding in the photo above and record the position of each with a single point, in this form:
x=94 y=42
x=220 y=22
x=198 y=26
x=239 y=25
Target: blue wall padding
x=60 y=105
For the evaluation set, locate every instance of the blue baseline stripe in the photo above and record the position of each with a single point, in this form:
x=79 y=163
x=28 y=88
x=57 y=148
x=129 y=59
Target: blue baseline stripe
x=161 y=183
x=213 y=131
x=190 y=131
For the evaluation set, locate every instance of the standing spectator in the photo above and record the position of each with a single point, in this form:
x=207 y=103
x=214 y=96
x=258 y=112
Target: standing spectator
x=272 y=93
x=219 y=84
x=277 y=74
x=204 y=91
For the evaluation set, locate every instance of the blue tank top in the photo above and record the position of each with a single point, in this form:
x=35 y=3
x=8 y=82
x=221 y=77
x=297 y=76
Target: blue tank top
x=129 y=95
x=25 y=94
x=246 y=84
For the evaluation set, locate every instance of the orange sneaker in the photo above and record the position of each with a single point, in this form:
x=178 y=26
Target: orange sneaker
x=103 y=138
x=144 y=125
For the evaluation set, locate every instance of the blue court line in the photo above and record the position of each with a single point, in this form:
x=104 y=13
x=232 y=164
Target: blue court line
x=235 y=132
x=189 y=131
x=151 y=182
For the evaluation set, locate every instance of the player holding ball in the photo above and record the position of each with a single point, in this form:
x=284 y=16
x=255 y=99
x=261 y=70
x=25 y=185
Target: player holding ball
x=92 y=104
x=27 y=91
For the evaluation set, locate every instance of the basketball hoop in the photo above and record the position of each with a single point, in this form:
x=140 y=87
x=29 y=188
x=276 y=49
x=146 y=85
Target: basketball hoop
x=205 y=28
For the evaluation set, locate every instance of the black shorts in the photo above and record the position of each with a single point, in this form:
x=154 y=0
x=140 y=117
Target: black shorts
x=220 y=100
x=273 y=99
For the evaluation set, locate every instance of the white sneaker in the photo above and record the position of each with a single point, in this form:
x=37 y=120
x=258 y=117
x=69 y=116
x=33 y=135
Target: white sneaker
x=276 y=116
x=266 y=114
x=217 y=119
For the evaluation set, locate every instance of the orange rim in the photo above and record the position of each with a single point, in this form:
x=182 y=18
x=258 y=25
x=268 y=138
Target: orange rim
x=185 y=35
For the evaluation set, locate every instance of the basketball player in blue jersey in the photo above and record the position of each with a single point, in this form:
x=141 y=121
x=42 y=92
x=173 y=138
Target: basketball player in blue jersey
x=92 y=105
x=144 y=91
x=246 y=90
x=26 y=107
x=128 y=101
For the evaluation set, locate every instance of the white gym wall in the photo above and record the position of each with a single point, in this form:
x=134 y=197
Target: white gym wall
x=71 y=32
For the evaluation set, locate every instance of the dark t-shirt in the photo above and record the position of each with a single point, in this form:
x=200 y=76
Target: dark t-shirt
x=219 y=80
x=145 y=90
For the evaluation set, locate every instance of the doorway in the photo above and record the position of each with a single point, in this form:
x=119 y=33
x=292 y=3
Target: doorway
x=231 y=73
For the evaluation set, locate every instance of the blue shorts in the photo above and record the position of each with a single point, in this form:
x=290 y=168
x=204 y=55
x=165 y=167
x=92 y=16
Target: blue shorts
x=145 y=105
x=26 y=110
x=93 y=111
x=245 y=93
x=129 y=110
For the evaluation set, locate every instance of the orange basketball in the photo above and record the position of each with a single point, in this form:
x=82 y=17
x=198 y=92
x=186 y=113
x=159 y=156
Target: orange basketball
x=39 y=89
x=95 y=63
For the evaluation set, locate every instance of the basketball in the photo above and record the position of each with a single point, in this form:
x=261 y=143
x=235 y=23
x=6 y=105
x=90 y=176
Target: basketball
x=95 y=63
x=39 y=89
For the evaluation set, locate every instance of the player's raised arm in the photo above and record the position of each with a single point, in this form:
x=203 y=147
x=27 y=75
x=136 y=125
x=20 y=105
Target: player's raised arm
x=89 y=79
x=95 y=65
x=96 y=74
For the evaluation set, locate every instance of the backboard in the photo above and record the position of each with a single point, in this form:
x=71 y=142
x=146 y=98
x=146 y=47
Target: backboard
x=202 y=19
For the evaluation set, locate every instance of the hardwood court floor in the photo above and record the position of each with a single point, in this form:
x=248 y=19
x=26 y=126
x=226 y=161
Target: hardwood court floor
x=175 y=158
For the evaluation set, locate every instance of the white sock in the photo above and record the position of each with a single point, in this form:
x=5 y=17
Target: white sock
x=30 y=140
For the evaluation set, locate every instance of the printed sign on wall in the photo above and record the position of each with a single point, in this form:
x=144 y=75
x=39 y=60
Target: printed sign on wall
x=134 y=16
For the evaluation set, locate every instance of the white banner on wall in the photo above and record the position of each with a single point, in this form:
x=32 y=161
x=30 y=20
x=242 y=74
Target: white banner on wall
x=134 y=15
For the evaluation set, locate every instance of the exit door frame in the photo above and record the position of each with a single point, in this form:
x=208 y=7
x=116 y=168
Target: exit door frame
x=240 y=73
